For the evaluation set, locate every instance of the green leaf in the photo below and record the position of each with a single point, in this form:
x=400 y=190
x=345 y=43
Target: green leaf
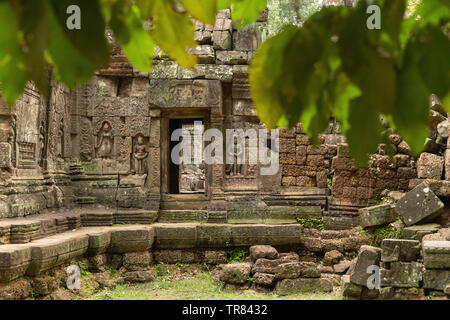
x=411 y=112
x=433 y=11
x=432 y=49
x=223 y=4
x=32 y=17
x=364 y=134
x=365 y=65
x=136 y=42
x=173 y=32
x=341 y=93
x=13 y=77
x=90 y=41
x=70 y=66
x=247 y=11
x=205 y=12
x=266 y=74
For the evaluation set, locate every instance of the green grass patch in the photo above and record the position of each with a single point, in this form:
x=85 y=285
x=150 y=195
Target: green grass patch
x=202 y=286
x=389 y=231
x=314 y=223
x=237 y=254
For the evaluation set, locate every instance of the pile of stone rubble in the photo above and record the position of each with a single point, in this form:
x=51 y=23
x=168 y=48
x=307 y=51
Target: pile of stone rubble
x=414 y=267
x=266 y=269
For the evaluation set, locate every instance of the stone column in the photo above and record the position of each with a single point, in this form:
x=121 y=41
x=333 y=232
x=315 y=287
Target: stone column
x=154 y=161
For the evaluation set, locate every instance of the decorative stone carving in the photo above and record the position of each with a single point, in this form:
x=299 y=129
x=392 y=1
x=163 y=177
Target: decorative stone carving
x=139 y=155
x=105 y=141
x=235 y=169
x=27 y=155
x=60 y=140
x=12 y=137
x=41 y=144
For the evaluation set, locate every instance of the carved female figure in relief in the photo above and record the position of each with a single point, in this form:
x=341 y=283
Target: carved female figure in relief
x=105 y=141
x=140 y=154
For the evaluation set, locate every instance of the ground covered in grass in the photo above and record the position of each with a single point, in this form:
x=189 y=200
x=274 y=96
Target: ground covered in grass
x=186 y=282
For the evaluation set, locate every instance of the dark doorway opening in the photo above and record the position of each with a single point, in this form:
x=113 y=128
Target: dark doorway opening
x=186 y=178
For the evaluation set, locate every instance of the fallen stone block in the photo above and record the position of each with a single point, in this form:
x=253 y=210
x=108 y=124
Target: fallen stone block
x=332 y=257
x=436 y=279
x=235 y=273
x=367 y=256
x=269 y=266
x=399 y=250
x=342 y=266
x=377 y=215
x=443 y=234
x=430 y=166
x=295 y=269
x=369 y=294
x=402 y=275
x=263 y=251
x=139 y=276
x=131 y=239
x=436 y=254
x=264 y=279
x=419 y=204
x=288 y=286
x=350 y=290
x=417 y=232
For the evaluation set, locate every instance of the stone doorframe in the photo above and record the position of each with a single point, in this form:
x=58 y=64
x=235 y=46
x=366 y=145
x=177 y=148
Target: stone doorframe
x=183 y=99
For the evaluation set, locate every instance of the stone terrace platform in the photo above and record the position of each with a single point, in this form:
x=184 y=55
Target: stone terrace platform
x=30 y=246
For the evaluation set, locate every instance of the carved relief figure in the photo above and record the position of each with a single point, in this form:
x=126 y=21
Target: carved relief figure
x=60 y=140
x=12 y=138
x=139 y=155
x=41 y=144
x=105 y=141
x=236 y=169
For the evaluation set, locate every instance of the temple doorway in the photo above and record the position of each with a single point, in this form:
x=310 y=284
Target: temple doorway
x=187 y=177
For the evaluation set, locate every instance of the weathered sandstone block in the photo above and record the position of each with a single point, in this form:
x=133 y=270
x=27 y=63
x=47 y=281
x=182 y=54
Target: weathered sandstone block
x=131 y=238
x=377 y=215
x=400 y=250
x=235 y=273
x=368 y=256
x=430 y=166
x=288 y=286
x=436 y=254
x=419 y=204
x=263 y=251
x=402 y=275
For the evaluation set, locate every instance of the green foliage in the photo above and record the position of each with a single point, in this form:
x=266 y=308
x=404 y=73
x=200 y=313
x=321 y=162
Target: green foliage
x=237 y=254
x=335 y=66
x=329 y=182
x=34 y=34
x=390 y=231
x=315 y=223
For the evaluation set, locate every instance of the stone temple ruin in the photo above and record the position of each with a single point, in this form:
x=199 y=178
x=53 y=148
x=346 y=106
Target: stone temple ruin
x=86 y=174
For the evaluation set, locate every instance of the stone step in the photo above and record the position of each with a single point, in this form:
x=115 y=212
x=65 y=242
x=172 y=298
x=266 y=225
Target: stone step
x=34 y=257
x=182 y=216
x=185 y=201
x=24 y=230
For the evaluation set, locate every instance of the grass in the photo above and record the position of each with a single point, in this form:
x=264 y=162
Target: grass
x=201 y=286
